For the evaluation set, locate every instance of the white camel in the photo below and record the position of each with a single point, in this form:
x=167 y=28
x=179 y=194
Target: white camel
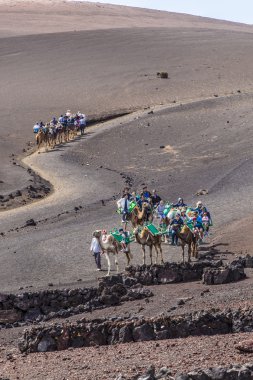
x=110 y=245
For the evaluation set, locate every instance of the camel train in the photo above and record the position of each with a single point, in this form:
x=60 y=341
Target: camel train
x=146 y=235
x=59 y=131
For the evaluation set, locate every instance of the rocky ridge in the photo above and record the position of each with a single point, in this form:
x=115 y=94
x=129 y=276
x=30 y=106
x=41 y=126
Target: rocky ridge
x=102 y=332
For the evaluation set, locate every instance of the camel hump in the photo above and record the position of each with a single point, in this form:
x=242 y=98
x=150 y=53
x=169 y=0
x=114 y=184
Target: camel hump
x=110 y=239
x=143 y=232
x=185 y=229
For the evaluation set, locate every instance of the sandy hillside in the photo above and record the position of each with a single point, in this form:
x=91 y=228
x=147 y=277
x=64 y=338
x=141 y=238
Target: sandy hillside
x=55 y=56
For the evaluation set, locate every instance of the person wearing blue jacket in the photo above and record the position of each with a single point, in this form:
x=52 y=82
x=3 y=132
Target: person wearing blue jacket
x=177 y=222
x=180 y=203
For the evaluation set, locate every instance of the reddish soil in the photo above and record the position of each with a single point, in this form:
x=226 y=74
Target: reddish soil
x=102 y=363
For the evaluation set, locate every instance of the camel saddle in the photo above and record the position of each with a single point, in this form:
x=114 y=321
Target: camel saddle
x=154 y=231
x=118 y=237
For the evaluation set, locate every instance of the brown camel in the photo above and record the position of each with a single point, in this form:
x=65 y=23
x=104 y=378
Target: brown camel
x=110 y=245
x=187 y=237
x=138 y=217
x=40 y=138
x=145 y=238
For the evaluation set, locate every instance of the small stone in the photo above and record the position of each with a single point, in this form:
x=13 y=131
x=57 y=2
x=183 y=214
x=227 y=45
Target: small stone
x=30 y=222
x=245 y=346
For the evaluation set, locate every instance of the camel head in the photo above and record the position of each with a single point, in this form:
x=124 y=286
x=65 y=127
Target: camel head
x=144 y=232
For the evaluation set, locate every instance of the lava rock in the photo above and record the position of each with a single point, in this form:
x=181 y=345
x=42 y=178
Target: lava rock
x=143 y=333
x=30 y=222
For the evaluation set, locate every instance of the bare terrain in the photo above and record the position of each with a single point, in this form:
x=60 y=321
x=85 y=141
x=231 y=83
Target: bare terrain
x=192 y=131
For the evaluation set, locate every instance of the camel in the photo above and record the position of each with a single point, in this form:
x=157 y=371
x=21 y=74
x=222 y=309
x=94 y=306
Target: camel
x=41 y=138
x=145 y=238
x=138 y=217
x=110 y=245
x=187 y=237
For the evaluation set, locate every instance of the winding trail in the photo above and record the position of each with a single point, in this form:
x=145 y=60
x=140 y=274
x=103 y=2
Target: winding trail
x=56 y=250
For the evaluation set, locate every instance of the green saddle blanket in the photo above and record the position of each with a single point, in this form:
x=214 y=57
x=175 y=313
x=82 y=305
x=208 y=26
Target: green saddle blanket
x=167 y=209
x=154 y=230
x=132 y=205
x=118 y=237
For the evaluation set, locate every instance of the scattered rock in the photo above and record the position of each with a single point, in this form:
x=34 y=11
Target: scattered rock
x=201 y=192
x=233 y=372
x=163 y=75
x=245 y=346
x=30 y=222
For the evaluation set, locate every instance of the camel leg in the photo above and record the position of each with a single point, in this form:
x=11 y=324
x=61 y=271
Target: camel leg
x=150 y=253
x=108 y=263
x=156 y=256
x=183 y=251
x=161 y=253
x=195 y=250
x=128 y=258
x=189 y=253
x=116 y=262
x=143 y=254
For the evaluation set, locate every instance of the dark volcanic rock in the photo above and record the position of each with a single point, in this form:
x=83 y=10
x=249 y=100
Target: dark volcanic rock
x=233 y=372
x=223 y=275
x=143 y=333
x=62 y=303
x=30 y=222
x=245 y=346
x=120 y=330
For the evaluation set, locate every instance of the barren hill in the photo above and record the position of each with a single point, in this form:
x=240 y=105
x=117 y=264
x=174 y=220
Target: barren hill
x=104 y=58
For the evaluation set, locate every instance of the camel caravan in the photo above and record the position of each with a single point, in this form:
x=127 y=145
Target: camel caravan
x=152 y=222
x=59 y=131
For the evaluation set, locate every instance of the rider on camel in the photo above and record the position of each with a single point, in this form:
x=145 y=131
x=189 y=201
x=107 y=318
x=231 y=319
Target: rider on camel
x=180 y=203
x=176 y=222
x=125 y=240
x=124 y=204
x=146 y=193
x=155 y=198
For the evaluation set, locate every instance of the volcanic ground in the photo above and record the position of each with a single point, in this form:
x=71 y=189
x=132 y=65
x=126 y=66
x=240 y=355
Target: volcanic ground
x=188 y=132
